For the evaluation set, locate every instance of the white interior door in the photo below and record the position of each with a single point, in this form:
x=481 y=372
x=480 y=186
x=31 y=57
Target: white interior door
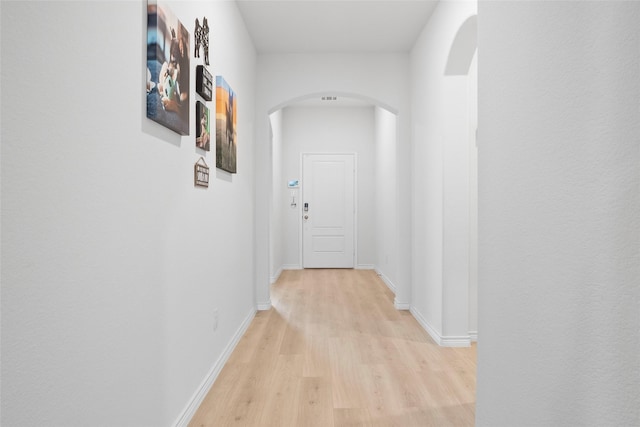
x=328 y=210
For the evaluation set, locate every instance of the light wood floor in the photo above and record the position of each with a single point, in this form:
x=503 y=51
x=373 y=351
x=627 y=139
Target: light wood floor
x=333 y=351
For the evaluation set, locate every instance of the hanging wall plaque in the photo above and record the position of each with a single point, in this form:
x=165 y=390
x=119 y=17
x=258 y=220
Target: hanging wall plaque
x=201 y=173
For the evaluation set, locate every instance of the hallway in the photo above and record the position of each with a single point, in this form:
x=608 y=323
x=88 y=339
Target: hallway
x=333 y=351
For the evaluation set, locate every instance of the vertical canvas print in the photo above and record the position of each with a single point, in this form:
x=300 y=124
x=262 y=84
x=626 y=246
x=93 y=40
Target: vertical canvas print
x=202 y=127
x=226 y=120
x=167 y=69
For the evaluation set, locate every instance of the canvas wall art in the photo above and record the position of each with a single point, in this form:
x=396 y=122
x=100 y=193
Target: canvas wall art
x=204 y=83
x=226 y=126
x=201 y=39
x=167 y=68
x=202 y=127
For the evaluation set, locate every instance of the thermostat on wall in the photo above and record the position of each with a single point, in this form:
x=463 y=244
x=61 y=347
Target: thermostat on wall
x=293 y=184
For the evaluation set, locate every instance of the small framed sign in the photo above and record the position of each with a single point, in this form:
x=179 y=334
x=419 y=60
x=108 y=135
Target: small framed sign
x=204 y=83
x=201 y=173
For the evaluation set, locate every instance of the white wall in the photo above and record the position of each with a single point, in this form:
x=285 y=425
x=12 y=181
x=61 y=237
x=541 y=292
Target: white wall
x=441 y=218
x=329 y=130
x=278 y=208
x=381 y=79
x=455 y=208
x=112 y=262
x=386 y=203
x=559 y=194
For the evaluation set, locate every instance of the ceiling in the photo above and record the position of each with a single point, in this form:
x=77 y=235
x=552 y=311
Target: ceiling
x=335 y=26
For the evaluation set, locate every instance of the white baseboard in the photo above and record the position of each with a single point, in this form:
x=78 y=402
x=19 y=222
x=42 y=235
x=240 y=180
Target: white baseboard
x=365 y=267
x=473 y=336
x=399 y=305
x=264 y=306
x=461 y=341
x=274 y=278
x=389 y=283
x=443 y=341
x=195 y=401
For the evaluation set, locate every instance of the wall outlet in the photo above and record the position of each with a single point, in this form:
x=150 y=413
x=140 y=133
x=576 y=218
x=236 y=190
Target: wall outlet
x=215 y=319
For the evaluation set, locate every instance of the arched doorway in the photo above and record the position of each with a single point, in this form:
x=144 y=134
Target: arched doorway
x=330 y=122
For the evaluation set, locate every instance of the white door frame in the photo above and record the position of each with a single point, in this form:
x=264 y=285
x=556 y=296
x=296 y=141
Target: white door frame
x=355 y=204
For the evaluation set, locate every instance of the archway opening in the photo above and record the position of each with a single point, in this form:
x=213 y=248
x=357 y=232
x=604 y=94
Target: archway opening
x=332 y=123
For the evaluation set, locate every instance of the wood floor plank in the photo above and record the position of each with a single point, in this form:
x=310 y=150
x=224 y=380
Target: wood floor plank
x=333 y=351
x=348 y=374
x=283 y=392
x=316 y=357
x=315 y=407
x=352 y=417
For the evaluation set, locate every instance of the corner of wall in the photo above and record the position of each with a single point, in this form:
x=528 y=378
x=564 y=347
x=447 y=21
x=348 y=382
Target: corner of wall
x=441 y=340
x=273 y=279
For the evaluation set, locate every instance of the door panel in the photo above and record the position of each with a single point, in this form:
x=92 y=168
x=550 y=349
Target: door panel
x=328 y=244
x=329 y=223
